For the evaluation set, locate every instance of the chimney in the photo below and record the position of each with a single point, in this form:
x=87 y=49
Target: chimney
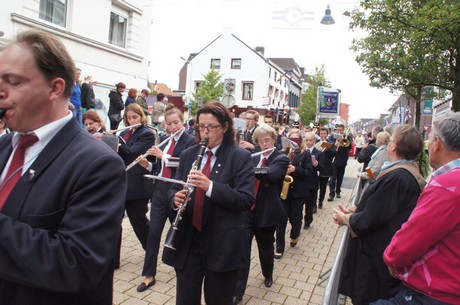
x=260 y=50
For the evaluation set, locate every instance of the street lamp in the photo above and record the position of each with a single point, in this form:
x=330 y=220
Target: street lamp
x=327 y=19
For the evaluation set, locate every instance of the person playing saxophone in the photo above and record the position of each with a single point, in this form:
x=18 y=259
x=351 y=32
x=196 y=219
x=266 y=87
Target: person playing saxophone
x=300 y=167
x=210 y=245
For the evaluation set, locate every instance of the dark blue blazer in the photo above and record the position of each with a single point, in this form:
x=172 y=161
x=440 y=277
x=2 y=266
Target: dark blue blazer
x=223 y=234
x=342 y=154
x=327 y=156
x=138 y=143
x=60 y=225
x=185 y=141
x=303 y=170
x=269 y=210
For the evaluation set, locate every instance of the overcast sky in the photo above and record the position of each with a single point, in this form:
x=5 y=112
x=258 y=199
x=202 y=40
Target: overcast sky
x=288 y=28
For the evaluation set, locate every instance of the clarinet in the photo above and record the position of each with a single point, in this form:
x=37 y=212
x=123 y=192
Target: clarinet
x=171 y=236
x=2 y=113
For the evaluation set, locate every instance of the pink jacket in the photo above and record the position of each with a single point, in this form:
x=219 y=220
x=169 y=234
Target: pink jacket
x=426 y=251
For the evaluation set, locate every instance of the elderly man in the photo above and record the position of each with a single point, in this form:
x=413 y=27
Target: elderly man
x=59 y=218
x=425 y=253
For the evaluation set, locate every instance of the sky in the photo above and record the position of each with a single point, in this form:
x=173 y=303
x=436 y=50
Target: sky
x=286 y=28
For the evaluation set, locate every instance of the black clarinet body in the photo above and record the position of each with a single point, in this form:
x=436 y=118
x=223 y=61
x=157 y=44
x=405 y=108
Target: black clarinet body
x=171 y=236
x=2 y=113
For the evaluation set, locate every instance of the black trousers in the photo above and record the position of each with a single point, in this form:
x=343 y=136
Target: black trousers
x=218 y=286
x=265 y=238
x=160 y=210
x=310 y=202
x=137 y=215
x=335 y=182
x=322 y=188
x=294 y=209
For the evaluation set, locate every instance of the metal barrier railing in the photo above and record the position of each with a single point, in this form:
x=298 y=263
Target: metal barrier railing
x=331 y=295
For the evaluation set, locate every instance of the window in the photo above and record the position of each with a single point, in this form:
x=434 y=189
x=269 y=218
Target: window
x=248 y=90
x=236 y=63
x=215 y=63
x=53 y=11
x=117 y=30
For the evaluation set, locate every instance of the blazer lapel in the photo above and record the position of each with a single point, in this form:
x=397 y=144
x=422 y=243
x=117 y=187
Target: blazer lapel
x=20 y=192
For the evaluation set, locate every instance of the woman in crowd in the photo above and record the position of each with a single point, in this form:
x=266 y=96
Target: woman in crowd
x=116 y=105
x=385 y=205
x=160 y=209
x=93 y=123
x=137 y=140
x=131 y=98
x=87 y=94
x=377 y=158
x=300 y=167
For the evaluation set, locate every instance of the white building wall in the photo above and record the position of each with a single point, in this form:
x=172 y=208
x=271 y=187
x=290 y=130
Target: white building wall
x=254 y=68
x=86 y=36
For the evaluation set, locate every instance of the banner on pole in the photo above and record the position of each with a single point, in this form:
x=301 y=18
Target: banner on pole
x=328 y=102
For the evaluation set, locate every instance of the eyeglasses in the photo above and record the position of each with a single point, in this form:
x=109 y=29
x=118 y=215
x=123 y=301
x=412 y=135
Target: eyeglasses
x=208 y=127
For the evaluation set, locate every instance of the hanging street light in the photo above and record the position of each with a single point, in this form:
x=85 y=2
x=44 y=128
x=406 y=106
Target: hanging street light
x=327 y=19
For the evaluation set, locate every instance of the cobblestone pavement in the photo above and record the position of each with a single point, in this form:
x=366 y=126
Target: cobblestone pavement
x=296 y=276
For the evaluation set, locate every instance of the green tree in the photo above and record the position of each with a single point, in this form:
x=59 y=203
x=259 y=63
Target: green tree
x=211 y=88
x=307 y=109
x=410 y=44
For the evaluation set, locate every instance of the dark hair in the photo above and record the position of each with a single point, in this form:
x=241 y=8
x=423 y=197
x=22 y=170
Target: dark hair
x=222 y=114
x=132 y=93
x=51 y=57
x=145 y=91
x=268 y=116
x=191 y=122
x=120 y=85
x=160 y=96
x=408 y=141
x=325 y=129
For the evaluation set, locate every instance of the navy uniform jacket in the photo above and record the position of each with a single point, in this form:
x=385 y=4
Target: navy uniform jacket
x=138 y=143
x=269 y=210
x=327 y=156
x=303 y=170
x=223 y=234
x=342 y=154
x=59 y=227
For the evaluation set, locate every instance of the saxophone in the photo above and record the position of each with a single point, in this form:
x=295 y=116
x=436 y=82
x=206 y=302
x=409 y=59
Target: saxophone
x=288 y=178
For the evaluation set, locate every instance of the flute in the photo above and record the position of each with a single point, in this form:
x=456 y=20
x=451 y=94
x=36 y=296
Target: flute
x=262 y=152
x=120 y=129
x=138 y=159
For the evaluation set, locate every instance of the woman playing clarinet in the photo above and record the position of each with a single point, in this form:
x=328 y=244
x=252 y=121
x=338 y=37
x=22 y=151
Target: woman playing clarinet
x=210 y=246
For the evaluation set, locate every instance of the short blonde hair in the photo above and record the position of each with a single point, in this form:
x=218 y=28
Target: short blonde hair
x=264 y=130
x=383 y=137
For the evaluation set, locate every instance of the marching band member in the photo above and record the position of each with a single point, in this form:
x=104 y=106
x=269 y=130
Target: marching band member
x=326 y=170
x=312 y=180
x=210 y=240
x=267 y=210
x=160 y=210
x=252 y=119
x=138 y=139
x=300 y=168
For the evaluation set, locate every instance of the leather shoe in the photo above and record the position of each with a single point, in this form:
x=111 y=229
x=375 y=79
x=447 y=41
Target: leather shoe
x=268 y=282
x=143 y=286
x=278 y=255
x=306 y=227
x=330 y=199
x=294 y=242
x=338 y=196
x=320 y=205
x=236 y=300
x=315 y=210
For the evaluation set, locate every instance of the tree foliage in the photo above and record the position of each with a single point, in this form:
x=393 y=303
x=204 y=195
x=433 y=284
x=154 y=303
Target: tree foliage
x=410 y=44
x=211 y=88
x=307 y=109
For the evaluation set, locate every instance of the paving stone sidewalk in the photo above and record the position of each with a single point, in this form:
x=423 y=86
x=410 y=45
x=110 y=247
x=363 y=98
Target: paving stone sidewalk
x=296 y=276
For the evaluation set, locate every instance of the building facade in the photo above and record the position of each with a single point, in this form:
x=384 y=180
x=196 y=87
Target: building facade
x=106 y=38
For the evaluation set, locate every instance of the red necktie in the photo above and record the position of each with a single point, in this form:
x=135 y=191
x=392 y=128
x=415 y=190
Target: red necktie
x=248 y=136
x=128 y=134
x=14 y=172
x=167 y=173
x=199 y=196
x=257 y=185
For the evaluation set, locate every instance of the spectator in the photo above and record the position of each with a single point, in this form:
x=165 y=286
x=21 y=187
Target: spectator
x=75 y=98
x=131 y=98
x=159 y=108
x=3 y=128
x=359 y=142
x=61 y=209
x=367 y=151
x=378 y=157
x=116 y=105
x=88 y=99
x=425 y=253
x=383 y=208
x=191 y=127
x=142 y=101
